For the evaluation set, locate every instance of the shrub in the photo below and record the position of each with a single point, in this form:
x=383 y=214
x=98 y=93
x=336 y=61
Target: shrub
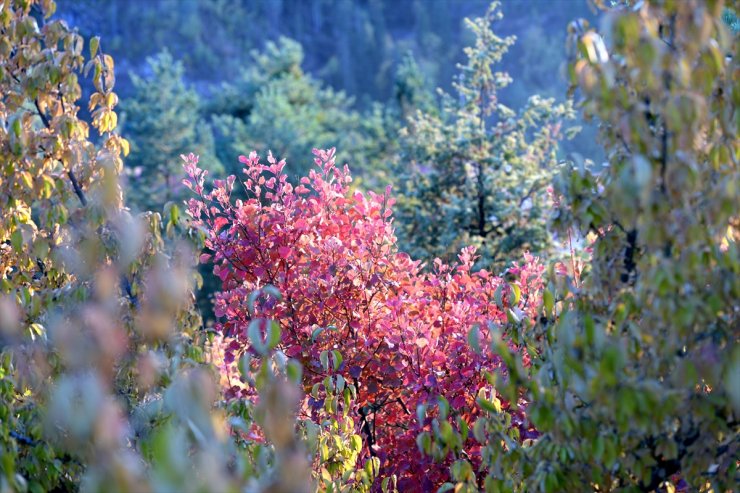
x=355 y=309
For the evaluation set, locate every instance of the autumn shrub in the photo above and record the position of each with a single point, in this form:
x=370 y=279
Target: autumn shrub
x=353 y=307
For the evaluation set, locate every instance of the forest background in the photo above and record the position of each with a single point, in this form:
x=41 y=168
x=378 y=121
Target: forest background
x=222 y=78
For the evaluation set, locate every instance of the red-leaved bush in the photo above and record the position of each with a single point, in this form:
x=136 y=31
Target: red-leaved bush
x=352 y=304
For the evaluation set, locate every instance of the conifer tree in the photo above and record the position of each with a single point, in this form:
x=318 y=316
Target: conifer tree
x=277 y=106
x=162 y=122
x=476 y=171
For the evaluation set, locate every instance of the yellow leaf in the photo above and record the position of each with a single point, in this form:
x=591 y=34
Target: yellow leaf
x=27 y=179
x=111 y=100
x=125 y=147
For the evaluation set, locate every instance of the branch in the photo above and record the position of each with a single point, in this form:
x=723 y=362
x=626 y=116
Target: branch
x=78 y=190
x=403 y=405
x=43 y=116
x=22 y=439
x=75 y=184
x=535 y=186
x=629 y=255
x=624 y=143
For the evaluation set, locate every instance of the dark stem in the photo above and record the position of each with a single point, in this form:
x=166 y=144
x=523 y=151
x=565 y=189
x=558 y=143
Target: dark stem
x=629 y=255
x=71 y=174
x=78 y=190
x=481 y=204
x=667 y=81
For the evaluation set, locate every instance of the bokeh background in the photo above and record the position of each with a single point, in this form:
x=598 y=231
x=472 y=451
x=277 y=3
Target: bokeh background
x=360 y=48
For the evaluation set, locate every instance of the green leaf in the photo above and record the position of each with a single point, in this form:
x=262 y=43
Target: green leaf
x=37 y=330
x=384 y=484
x=244 y=366
x=512 y=317
x=94 y=45
x=337 y=359
x=372 y=466
x=273 y=334
x=549 y=302
x=424 y=442
x=492 y=406
x=516 y=292
x=16 y=241
x=251 y=299
x=340 y=383
x=446 y=431
x=294 y=370
x=316 y=333
x=464 y=428
x=497 y=296
x=479 y=430
x=47 y=187
x=474 y=338
x=174 y=213
x=356 y=443
x=253 y=332
x=444 y=407
x=421 y=412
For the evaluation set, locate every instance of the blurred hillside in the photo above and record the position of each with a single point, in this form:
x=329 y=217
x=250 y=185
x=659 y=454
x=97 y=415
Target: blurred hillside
x=353 y=45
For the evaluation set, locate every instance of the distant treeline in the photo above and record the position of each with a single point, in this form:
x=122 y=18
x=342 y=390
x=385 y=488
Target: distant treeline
x=353 y=45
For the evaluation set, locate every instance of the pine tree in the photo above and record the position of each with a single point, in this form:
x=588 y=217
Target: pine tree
x=477 y=170
x=277 y=106
x=162 y=122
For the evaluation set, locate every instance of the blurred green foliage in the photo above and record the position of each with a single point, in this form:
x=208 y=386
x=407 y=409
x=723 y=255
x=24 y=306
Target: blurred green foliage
x=633 y=384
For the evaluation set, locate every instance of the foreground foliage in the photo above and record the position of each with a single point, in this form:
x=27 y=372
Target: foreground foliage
x=635 y=387
x=103 y=374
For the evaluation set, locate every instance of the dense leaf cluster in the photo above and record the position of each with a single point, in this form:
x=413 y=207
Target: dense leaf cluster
x=354 y=307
